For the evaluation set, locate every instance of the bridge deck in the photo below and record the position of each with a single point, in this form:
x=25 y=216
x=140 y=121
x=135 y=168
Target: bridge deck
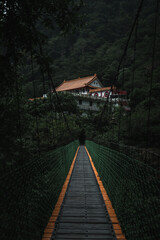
x=83 y=213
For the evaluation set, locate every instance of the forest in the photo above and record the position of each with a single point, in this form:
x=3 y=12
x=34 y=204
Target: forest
x=44 y=43
x=71 y=39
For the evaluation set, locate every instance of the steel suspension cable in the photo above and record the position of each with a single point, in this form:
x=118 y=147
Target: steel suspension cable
x=129 y=36
x=44 y=102
x=19 y=130
x=44 y=92
x=35 y=103
x=59 y=102
x=17 y=87
x=120 y=110
x=133 y=78
x=122 y=57
x=152 y=70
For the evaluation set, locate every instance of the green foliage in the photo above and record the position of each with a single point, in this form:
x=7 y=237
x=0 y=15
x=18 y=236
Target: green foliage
x=98 y=47
x=37 y=54
x=28 y=127
x=65 y=102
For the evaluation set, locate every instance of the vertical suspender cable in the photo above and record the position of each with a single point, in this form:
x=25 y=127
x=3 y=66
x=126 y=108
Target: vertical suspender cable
x=120 y=110
x=18 y=105
x=59 y=102
x=35 y=104
x=54 y=108
x=133 y=78
x=123 y=55
x=130 y=35
x=44 y=100
x=19 y=121
x=152 y=69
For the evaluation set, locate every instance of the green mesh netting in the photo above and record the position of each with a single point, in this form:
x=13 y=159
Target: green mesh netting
x=133 y=188
x=28 y=194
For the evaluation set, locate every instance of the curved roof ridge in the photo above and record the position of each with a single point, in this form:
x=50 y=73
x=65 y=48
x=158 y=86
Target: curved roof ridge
x=76 y=83
x=80 y=78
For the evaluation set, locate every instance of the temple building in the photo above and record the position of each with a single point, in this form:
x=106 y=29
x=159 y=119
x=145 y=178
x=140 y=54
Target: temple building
x=80 y=85
x=90 y=86
x=90 y=93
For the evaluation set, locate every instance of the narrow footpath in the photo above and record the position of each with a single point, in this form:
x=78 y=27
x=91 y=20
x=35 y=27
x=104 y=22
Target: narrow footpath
x=83 y=214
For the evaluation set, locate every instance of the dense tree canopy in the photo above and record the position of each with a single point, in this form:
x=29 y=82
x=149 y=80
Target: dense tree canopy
x=24 y=29
x=45 y=42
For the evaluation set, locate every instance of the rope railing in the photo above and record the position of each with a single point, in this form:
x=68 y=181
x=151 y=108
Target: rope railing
x=29 y=193
x=141 y=154
x=133 y=188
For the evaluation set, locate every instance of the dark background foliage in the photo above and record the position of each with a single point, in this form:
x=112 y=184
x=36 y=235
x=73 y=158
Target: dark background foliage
x=45 y=42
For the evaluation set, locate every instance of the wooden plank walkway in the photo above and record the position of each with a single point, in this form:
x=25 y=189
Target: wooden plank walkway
x=83 y=213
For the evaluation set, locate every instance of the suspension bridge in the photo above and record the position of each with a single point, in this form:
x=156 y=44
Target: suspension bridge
x=81 y=192
x=83 y=209
x=72 y=191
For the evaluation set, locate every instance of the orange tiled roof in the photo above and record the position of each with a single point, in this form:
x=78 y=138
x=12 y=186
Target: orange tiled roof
x=75 y=83
x=101 y=89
